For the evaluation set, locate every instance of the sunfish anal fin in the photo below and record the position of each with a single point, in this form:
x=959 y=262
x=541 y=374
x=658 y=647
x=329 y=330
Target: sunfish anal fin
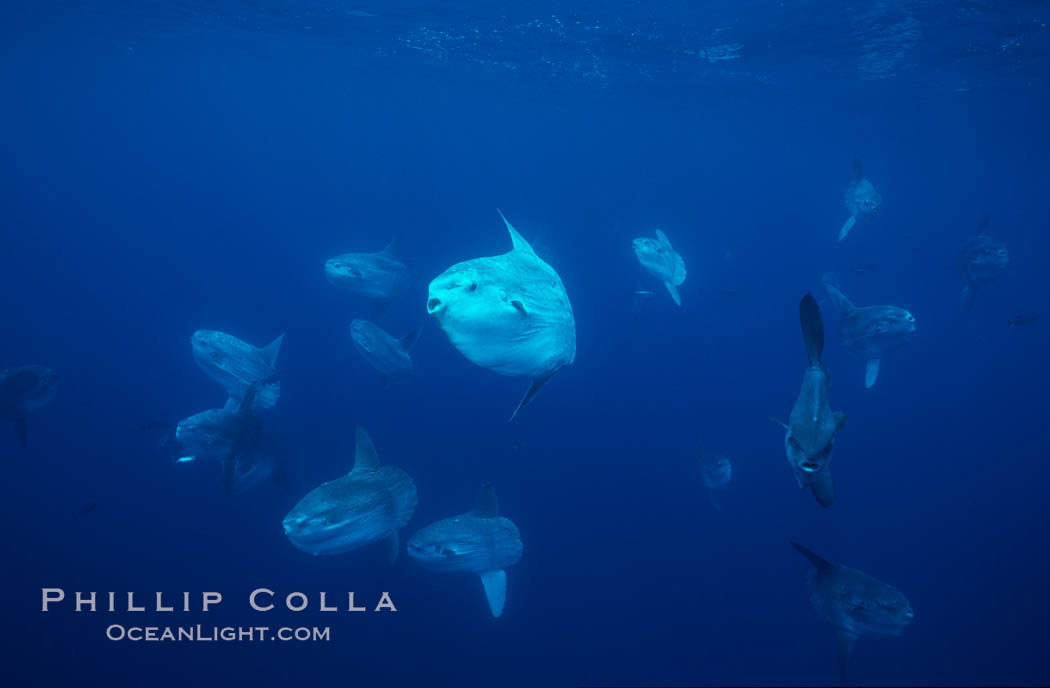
x=852 y=220
x=495 y=584
x=535 y=386
x=365 y=457
x=845 y=641
x=674 y=293
x=391 y=547
x=823 y=489
x=871 y=373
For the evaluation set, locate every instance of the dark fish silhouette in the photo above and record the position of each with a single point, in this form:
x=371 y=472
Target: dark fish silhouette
x=23 y=390
x=1023 y=319
x=981 y=260
x=854 y=603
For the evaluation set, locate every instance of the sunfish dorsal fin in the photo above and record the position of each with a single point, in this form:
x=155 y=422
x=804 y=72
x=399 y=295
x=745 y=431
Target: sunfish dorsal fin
x=812 y=328
x=842 y=304
x=365 y=457
x=516 y=239
x=232 y=405
x=820 y=563
x=393 y=249
x=495 y=584
x=271 y=350
x=780 y=423
x=409 y=340
x=486 y=505
x=663 y=239
x=982 y=226
x=535 y=386
x=858 y=169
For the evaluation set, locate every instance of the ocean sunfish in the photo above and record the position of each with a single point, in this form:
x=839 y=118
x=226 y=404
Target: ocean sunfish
x=235 y=365
x=855 y=604
x=479 y=541
x=812 y=426
x=870 y=332
x=230 y=435
x=659 y=258
x=23 y=390
x=862 y=200
x=981 y=260
x=378 y=276
x=718 y=473
x=369 y=504
x=389 y=356
x=507 y=313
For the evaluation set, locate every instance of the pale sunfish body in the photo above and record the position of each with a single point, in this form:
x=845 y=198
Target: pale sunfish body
x=235 y=365
x=507 y=313
x=659 y=258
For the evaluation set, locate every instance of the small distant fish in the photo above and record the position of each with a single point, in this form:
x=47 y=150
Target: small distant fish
x=718 y=472
x=390 y=357
x=235 y=365
x=1023 y=319
x=862 y=200
x=85 y=509
x=731 y=291
x=659 y=258
x=378 y=276
x=864 y=268
x=981 y=261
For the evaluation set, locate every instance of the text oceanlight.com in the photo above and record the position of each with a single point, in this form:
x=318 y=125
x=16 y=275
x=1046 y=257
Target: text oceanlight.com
x=201 y=633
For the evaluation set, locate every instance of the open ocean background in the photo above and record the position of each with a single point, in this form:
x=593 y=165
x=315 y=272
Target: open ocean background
x=168 y=166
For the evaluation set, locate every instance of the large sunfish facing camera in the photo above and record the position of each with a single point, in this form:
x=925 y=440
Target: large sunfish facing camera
x=855 y=604
x=22 y=390
x=479 y=541
x=507 y=313
x=236 y=364
x=369 y=504
x=812 y=427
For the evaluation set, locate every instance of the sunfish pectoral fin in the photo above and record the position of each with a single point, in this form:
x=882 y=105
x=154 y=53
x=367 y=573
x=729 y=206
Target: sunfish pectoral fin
x=845 y=641
x=871 y=373
x=535 y=386
x=495 y=584
x=519 y=306
x=272 y=350
x=823 y=489
x=21 y=430
x=852 y=220
x=674 y=293
x=391 y=546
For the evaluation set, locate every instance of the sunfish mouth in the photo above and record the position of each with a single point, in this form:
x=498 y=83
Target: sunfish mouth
x=809 y=466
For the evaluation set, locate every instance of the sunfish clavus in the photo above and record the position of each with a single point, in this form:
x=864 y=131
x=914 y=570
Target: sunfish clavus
x=479 y=541
x=855 y=604
x=368 y=504
x=507 y=313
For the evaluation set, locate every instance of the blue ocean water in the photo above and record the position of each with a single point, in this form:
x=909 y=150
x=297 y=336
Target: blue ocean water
x=170 y=166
